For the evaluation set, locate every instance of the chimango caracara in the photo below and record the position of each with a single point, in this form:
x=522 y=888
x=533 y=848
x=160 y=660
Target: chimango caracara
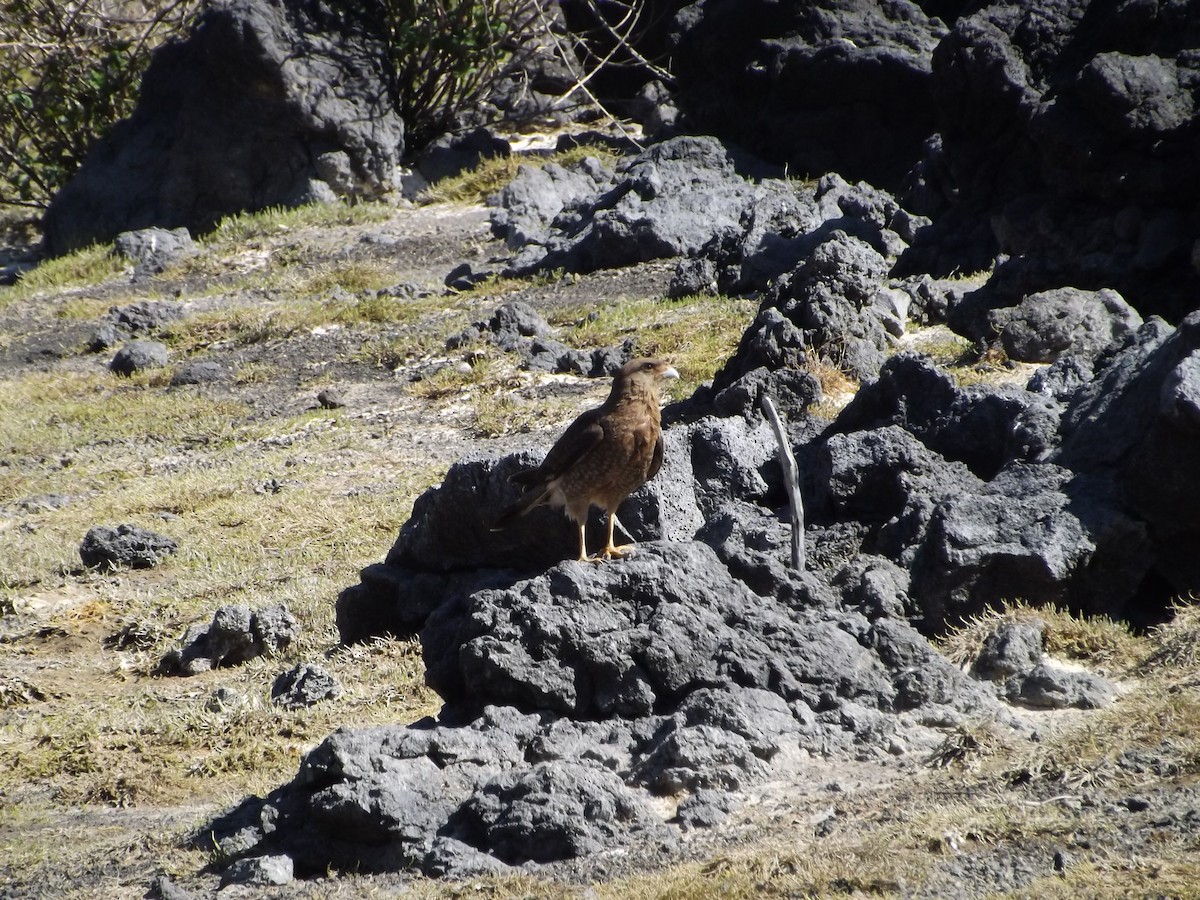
x=604 y=456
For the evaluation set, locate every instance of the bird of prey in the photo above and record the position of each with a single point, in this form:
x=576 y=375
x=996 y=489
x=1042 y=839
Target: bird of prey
x=603 y=456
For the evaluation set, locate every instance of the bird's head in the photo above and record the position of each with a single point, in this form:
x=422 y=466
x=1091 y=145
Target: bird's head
x=644 y=374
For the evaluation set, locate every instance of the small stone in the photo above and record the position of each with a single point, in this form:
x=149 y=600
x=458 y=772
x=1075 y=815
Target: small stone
x=224 y=699
x=105 y=548
x=138 y=355
x=330 y=399
x=304 y=685
x=260 y=871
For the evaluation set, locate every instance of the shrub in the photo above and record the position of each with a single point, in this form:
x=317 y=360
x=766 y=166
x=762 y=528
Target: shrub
x=447 y=54
x=68 y=71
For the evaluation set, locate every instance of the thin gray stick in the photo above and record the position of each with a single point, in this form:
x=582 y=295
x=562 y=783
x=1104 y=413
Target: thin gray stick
x=791 y=477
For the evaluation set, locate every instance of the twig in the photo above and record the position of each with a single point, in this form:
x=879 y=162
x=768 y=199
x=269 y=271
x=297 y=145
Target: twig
x=788 y=460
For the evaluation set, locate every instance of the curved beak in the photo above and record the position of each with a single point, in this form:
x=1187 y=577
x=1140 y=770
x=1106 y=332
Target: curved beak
x=669 y=372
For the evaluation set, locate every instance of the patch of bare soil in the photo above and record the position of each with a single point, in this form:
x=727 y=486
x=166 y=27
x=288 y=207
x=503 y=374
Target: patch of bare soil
x=895 y=826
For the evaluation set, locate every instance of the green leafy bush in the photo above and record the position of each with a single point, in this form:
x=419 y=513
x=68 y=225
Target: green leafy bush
x=446 y=54
x=68 y=71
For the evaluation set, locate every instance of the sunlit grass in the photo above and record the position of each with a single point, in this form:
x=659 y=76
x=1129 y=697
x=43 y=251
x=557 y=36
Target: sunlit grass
x=276 y=220
x=697 y=333
x=89 y=266
x=479 y=183
x=65 y=412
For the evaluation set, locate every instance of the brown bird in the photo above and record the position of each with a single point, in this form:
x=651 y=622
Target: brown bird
x=603 y=456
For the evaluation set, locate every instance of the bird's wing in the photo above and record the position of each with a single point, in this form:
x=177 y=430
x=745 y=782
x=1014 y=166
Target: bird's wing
x=657 y=460
x=580 y=438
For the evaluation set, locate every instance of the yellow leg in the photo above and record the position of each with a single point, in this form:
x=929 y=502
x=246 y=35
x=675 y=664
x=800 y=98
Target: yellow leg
x=583 y=557
x=611 y=551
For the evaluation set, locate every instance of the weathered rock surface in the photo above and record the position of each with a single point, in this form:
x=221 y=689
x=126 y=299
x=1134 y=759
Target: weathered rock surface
x=1012 y=657
x=1044 y=327
x=154 y=250
x=576 y=695
x=138 y=355
x=1138 y=422
x=105 y=547
x=257 y=107
x=830 y=86
x=235 y=635
x=305 y=684
x=1068 y=130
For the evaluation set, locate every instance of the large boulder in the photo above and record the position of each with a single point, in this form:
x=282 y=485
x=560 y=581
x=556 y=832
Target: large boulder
x=666 y=202
x=1069 y=126
x=1138 y=421
x=578 y=694
x=837 y=85
x=265 y=103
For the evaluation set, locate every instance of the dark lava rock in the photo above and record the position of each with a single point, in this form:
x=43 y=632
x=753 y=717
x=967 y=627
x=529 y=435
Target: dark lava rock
x=154 y=250
x=451 y=154
x=1068 y=130
x=145 y=316
x=1138 y=421
x=199 y=372
x=235 y=635
x=1046 y=326
x=1013 y=648
x=105 y=547
x=821 y=87
x=259 y=871
x=241 y=114
x=304 y=685
x=555 y=810
x=138 y=355
x=1049 y=687
x=105 y=337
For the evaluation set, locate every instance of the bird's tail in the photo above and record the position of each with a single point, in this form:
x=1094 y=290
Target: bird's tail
x=513 y=512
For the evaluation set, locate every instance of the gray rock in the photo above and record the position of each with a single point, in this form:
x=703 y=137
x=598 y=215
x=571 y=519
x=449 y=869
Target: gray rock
x=259 y=871
x=696 y=757
x=705 y=809
x=235 y=635
x=154 y=250
x=138 y=355
x=554 y=811
x=105 y=547
x=163 y=888
x=330 y=398
x=199 y=372
x=537 y=198
x=450 y=154
x=224 y=699
x=304 y=685
x=693 y=276
x=1061 y=379
x=106 y=337
x=199 y=146
x=833 y=302
x=666 y=202
x=1048 y=325
x=1139 y=420
x=984 y=426
x=1068 y=144
x=451 y=858
x=856 y=74
x=1014 y=648
x=1036 y=532
x=1048 y=687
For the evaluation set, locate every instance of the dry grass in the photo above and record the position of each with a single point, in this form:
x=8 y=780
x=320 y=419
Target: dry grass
x=476 y=185
x=1100 y=641
x=697 y=333
x=88 y=267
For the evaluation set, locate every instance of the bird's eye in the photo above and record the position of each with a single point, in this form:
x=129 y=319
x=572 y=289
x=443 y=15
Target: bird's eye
x=648 y=366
